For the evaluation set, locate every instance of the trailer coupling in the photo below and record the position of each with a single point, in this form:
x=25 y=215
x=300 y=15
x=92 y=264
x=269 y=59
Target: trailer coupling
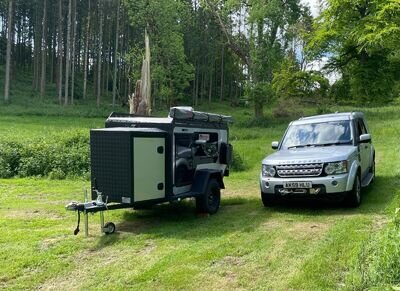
x=94 y=206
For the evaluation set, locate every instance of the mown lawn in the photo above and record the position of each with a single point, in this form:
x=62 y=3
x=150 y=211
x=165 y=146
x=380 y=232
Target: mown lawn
x=243 y=246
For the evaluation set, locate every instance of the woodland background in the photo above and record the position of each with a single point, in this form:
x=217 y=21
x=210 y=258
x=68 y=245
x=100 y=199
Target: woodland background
x=258 y=52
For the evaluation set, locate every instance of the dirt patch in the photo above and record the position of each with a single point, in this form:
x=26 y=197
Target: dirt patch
x=308 y=229
x=227 y=261
x=51 y=242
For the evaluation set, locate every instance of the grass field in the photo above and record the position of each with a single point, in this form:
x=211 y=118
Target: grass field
x=243 y=246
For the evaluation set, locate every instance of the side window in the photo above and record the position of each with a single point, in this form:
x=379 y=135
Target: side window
x=363 y=126
x=361 y=129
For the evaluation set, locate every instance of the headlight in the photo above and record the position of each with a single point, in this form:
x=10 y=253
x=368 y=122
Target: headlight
x=268 y=171
x=336 y=168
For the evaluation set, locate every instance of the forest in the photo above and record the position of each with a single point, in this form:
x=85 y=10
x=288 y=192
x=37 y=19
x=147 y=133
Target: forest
x=241 y=51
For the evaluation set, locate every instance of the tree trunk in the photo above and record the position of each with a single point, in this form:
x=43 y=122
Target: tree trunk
x=85 y=62
x=8 y=53
x=210 y=88
x=221 y=96
x=73 y=54
x=60 y=51
x=258 y=109
x=44 y=51
x=37 y=50
x=68 y=53
x=115 y=56
x=99 y=53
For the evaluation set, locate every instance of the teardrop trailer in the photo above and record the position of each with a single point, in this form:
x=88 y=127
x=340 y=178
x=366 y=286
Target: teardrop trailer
x=138 y=161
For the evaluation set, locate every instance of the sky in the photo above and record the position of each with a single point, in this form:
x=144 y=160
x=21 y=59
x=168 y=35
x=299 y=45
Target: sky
x=313 y=4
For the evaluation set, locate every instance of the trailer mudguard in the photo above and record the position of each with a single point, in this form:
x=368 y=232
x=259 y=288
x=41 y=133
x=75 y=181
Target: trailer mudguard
x=201 y=178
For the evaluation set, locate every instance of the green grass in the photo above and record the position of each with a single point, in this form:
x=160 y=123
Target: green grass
x=244 y=246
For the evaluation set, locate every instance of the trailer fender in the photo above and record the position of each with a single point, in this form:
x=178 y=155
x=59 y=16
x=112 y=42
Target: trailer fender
x=201 y=178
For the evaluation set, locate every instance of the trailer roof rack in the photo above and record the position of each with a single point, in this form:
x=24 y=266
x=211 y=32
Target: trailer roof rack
x=187 y=113
x=181 y=113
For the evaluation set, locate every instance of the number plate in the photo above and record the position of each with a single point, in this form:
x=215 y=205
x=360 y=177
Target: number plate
x=297 y=185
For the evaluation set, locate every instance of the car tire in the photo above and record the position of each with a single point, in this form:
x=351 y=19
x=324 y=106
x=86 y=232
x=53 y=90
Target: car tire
x=354 y=195
x=209 y=202
x=268 y=199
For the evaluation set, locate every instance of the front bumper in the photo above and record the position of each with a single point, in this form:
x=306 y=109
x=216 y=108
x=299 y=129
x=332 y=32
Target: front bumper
x=320 y=185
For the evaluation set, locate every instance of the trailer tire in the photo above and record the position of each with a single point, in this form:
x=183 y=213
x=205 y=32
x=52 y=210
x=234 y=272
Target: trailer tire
x=209 y=202
x=109 y=228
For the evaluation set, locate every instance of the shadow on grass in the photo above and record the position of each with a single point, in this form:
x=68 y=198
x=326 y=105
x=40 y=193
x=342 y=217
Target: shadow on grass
x=239 y=215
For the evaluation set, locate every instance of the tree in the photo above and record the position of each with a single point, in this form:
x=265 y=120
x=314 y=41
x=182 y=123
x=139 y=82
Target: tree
x=358 y=42
x=86 y=51
x=60 y=51
x=44 y=51
x=265 y=42
x=99 y=51
x=10 y=37
x=291 y=83
x=68 y=53
x=171 y=71
x=114 y=92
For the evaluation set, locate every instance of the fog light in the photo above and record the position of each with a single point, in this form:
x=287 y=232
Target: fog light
x=334 y=183
x=267 y=184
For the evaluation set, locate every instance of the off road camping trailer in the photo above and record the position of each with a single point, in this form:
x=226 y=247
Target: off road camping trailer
x=141 y=161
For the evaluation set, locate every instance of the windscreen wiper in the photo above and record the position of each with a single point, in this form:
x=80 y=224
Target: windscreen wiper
x=301 y=146
x=333 y=143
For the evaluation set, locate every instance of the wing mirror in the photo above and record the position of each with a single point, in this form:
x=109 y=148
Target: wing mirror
x=275 y=145
x=364 y=138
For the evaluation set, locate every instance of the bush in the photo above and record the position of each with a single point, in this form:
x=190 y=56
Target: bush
x=238 y=163
x=56 y=157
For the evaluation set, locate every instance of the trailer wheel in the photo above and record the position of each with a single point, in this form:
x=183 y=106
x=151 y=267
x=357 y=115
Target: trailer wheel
x=109 y=228
x=209 y=201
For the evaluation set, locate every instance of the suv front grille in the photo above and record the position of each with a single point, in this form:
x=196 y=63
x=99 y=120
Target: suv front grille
x=300 y=170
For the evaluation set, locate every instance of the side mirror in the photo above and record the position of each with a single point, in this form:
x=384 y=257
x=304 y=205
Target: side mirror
x=364 y=138
x=275 y=145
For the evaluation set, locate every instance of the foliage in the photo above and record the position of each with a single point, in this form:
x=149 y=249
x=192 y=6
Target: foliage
x=356 y=40
x=55 y=156
x=171 y=72
x=289 y=82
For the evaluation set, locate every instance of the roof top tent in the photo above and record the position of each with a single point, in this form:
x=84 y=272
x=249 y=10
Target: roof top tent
x=139 y=161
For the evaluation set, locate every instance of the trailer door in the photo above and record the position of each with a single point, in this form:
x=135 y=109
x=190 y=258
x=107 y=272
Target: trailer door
x=148 y=168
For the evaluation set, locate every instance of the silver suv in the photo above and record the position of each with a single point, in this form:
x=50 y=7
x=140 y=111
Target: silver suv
x=327 y=156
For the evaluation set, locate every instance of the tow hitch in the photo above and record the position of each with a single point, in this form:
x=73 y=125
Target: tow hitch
x=94 y=206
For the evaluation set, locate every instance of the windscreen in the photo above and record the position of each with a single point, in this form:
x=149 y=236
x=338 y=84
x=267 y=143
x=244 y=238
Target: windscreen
x=318 y=134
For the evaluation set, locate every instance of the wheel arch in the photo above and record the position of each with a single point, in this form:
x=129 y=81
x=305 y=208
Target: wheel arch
x=202 y=177
x=355 y=170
